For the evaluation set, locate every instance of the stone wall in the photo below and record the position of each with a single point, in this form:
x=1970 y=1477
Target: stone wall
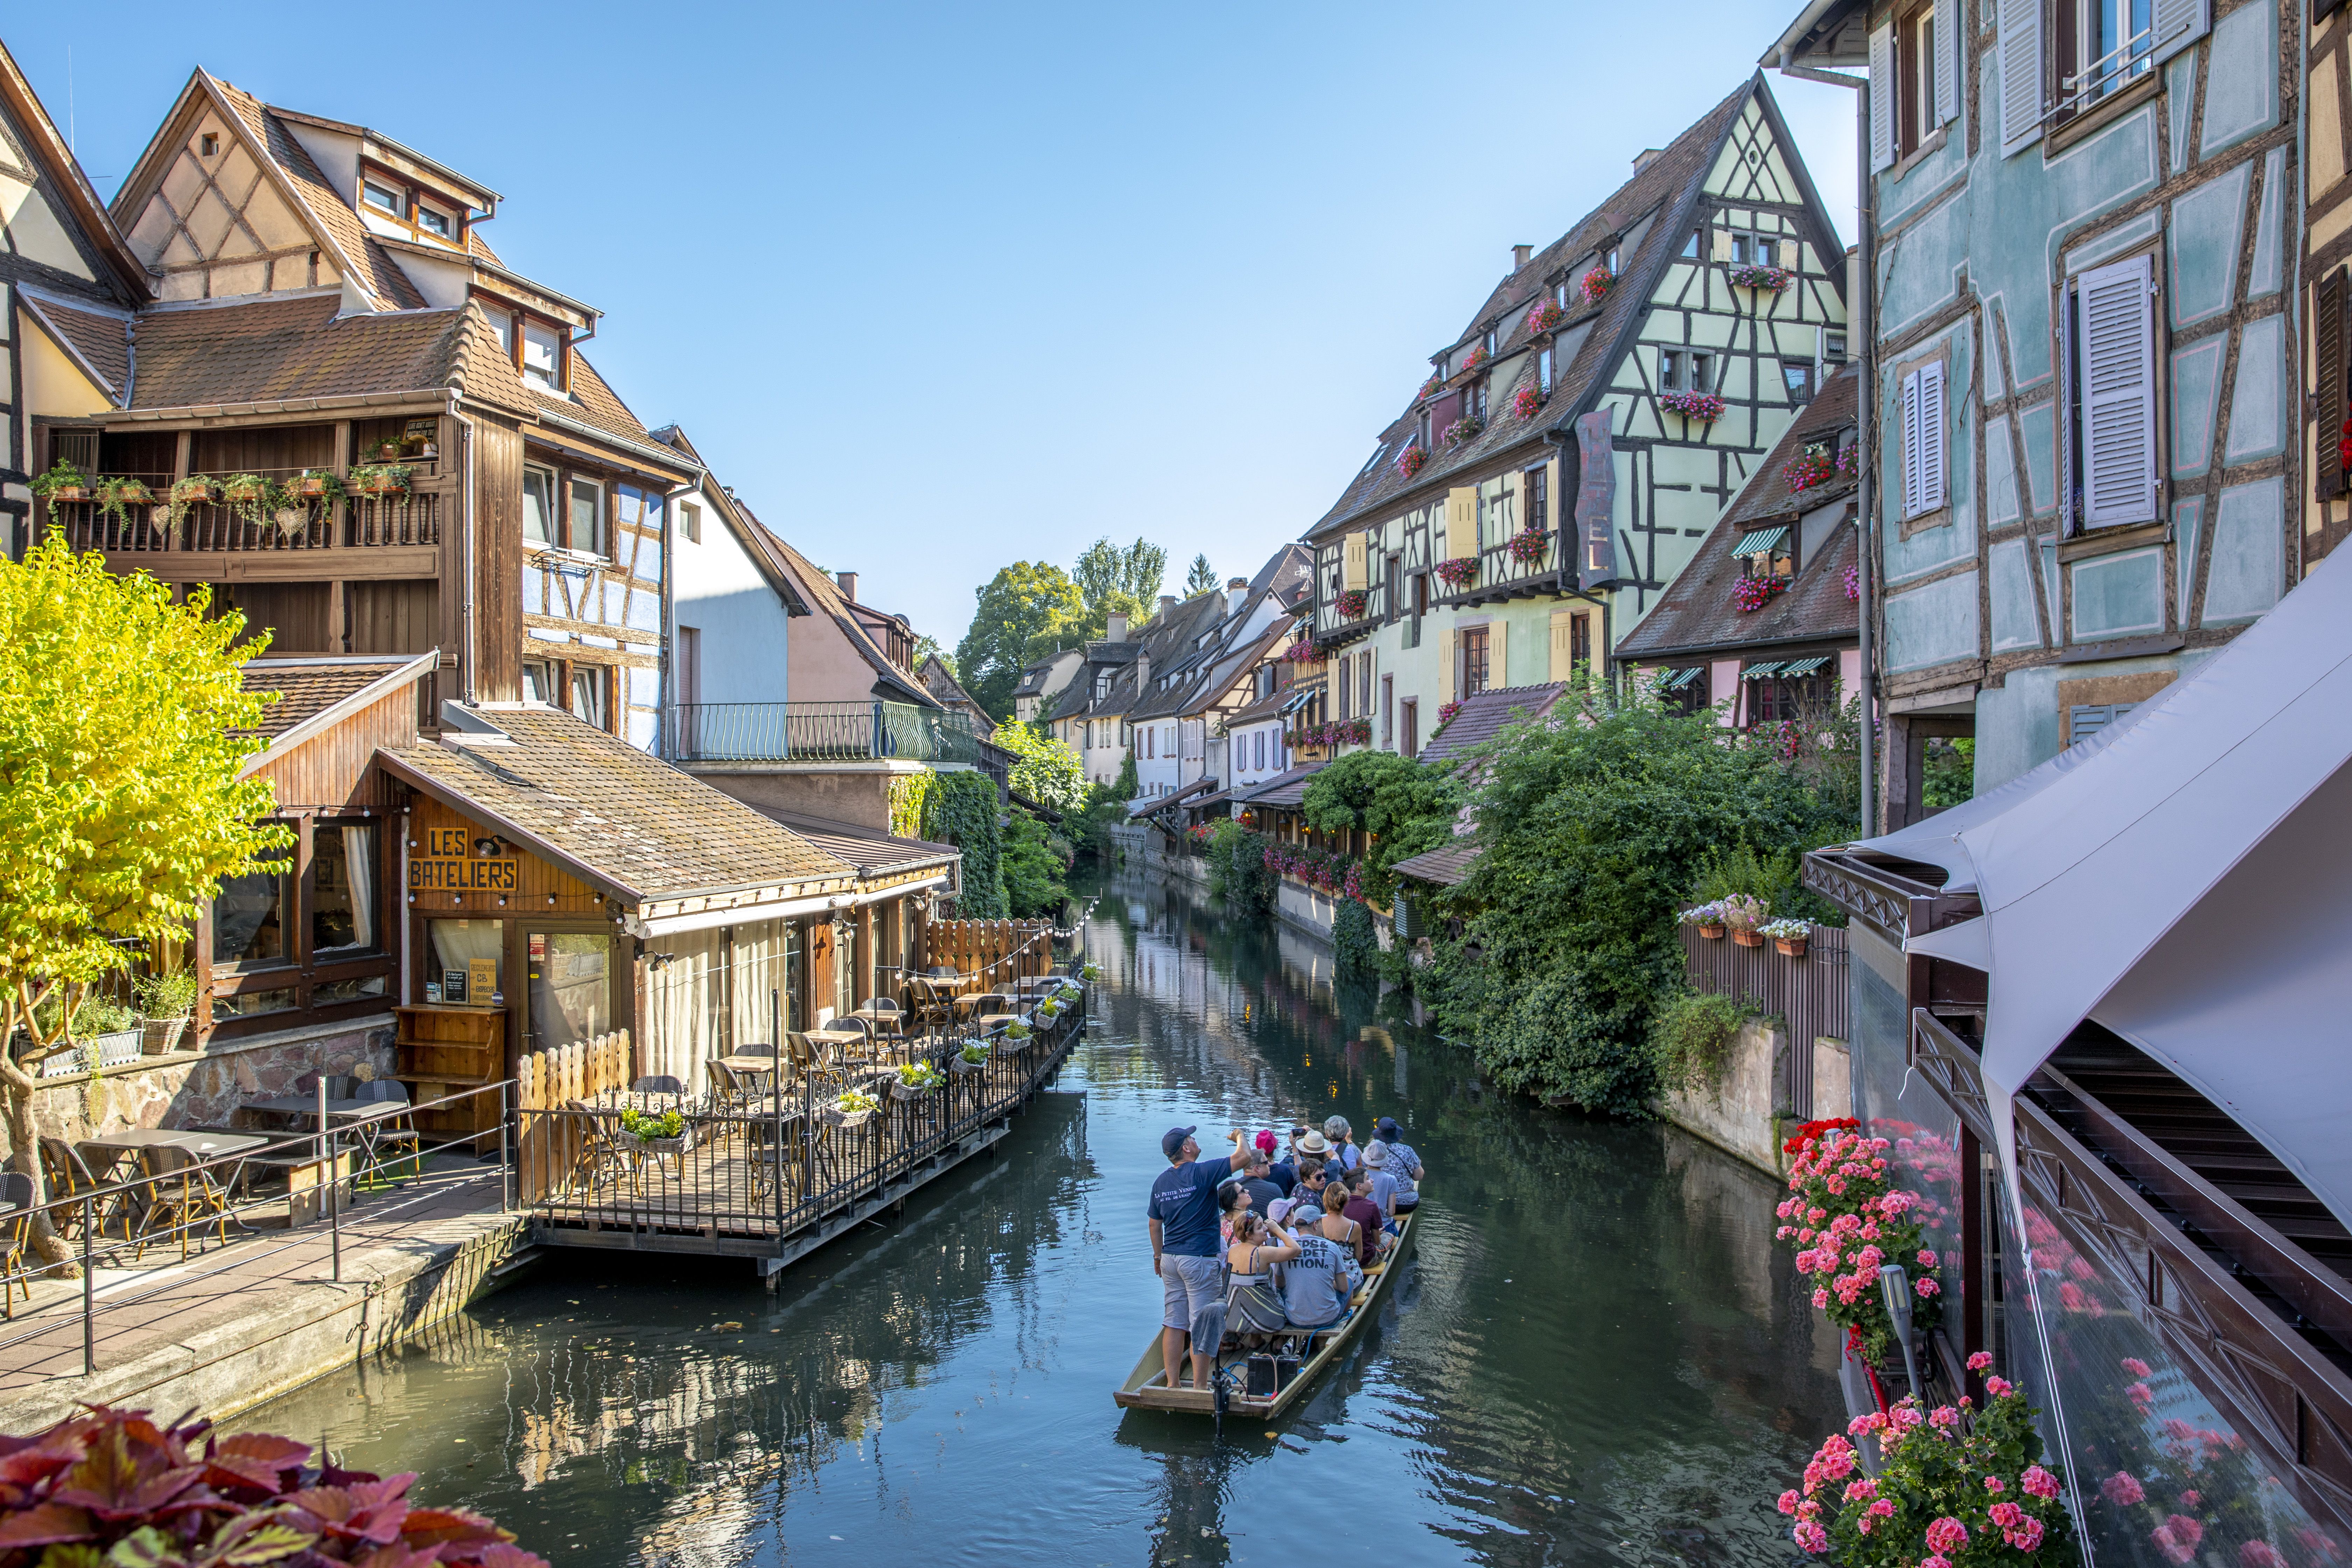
x=1743 y=1116
x=204 y=1089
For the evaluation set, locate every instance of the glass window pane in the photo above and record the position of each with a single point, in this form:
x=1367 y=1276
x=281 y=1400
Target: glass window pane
x=250 y=920
x=588 y=695
x=588 y=516
x=437 y=223
x=571 y=991
x=343 y=882
x=350 y=990
x=539 y=506
x=251 y=1004
x=542 y=355
x=457 y=945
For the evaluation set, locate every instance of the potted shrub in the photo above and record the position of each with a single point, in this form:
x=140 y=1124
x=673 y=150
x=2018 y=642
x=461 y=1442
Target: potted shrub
x=1528 y=545
x=656 y=1133
x=1410 y=461
x=1709 y=918
x=166 y=1002
x=319 y=485
x=1458 y=572
x=1473 y=360
x=1789 y=935
x=184 y=496
x=1353 y=603
x=1703 y=408
x=253 y=498
x=1745 y=913
x=62 y=483
x=387 y=452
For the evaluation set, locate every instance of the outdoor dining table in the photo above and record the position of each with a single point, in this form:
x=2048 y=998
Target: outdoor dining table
x=125 y=1145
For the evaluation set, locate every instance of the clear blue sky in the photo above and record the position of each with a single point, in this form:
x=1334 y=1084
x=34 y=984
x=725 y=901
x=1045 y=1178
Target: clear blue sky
x=939 y=289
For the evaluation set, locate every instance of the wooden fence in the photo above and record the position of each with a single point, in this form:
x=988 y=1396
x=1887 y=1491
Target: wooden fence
x=1808 y=994
x=999 y=952
x=550 y=1146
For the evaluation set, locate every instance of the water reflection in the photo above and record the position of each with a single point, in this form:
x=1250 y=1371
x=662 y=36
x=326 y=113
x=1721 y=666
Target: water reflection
x=1598 y=1352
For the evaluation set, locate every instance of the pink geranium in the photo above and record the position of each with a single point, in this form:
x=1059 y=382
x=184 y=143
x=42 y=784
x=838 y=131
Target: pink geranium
x=2123 y=1490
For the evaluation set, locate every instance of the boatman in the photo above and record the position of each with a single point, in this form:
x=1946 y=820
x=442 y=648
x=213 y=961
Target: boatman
x=1184 y=1247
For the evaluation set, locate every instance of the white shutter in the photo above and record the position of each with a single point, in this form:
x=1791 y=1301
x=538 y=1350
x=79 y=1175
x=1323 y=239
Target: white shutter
x=1931 y=435
x=2118 y=378
x=2021 y=74
x=1911 y=445
x=1947 y=58
x=1881 y=98
x=2180 y=23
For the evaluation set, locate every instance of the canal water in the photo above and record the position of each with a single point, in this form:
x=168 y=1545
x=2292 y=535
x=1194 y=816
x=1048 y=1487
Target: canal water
x=1596 y=1355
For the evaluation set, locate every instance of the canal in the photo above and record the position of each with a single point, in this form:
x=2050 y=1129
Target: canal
x=1596 y=1355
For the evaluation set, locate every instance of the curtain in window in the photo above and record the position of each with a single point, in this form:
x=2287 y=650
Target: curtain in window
x=683 y=1010
x=456 y=943
x=359 y=864
x=760 y=967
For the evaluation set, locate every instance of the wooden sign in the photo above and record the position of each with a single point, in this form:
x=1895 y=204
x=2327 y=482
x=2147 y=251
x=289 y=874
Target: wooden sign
x=452 y=860
x=1596 y=504
x=450 y=873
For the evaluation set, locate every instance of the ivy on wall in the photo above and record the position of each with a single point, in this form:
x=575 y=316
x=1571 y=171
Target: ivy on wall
x=908 y=795
x=961 y=808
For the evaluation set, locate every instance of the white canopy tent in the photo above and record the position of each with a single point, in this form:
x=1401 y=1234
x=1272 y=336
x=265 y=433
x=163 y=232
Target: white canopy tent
x=2184 y=879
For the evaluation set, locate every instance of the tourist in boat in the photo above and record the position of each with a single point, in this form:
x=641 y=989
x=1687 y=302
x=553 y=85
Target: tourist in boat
x=1234 y=1201
x=1355 y=1203
x=1383 y=1181
x=1282 y=1172
x=1253 y=1174
x=1333 y=1226
x=1253 y=1306
x=1342 y=1138
x=1316 y=1284
x=1404 y=1164
x=1184 y=1222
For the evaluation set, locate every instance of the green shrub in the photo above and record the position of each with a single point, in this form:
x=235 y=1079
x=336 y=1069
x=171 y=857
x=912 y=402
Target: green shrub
x=1741 y=870
x=1691 y=1036
x=169 y=996
x=102 y=1016
x=1237 y=868
x=1356 y=945
x=1406 y=807
x=1035 y=860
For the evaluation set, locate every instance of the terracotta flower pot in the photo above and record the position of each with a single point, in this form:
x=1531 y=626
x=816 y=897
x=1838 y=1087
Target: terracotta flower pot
x=70 y=492
x=1746 y=938
x=1794 y=946
x=1712 y=934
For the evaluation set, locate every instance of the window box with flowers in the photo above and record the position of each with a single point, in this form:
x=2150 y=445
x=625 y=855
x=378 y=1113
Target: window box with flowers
x=1464 y=430
x=1301 y=652
x=1410 y=461
x=1544 y=317
x=1473 y=360
x=1527 y=401
x=1756 y=275
x=1528 y=544
x=1815 y=465
x=1704 y=407
x=1853 y=583
x=1338 y=732
x=1353 y=603
x=1458 y=572
x=1752 y=593
x=1594 y=286
x=1429 y=388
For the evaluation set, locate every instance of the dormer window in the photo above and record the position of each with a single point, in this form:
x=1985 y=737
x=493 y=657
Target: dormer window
x=542 y=356
x=432 y=222
x=1560 y=294
x=1487 y=341
x=382 y=198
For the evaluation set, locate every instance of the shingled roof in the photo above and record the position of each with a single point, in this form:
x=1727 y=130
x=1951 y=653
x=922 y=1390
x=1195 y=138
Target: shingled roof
x=1483 y=715
x=1766 y=498
x=299 y=689
x=99 y=339
x=272 y=350
x=622 y=819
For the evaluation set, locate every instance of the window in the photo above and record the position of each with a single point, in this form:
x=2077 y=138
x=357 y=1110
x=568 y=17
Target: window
x=1364 y=684
x=382 y=199
x=1538 y=482
x=343 y=889
x=1697 y=244
x=1473 y=661
x=1915 y=89
x=1408 y=727
x=539 y=506
x=211 y=145
x=432 y=222
x=1796 y=375
x=1487 y=341
x=250 y=920
x=1832 y=348
x=588 y=694
x=690 y=522
x=1579 y=641
x=1474 y=399
x=587 y=516
x=2110 y=360
x=2104 y=46
x=1388 y=710
x=1543 y=369
x=1686 y=370
x=538 y=681
x=1347 y=667
x=502 y=323
x=1923 y=439
x=542 y=356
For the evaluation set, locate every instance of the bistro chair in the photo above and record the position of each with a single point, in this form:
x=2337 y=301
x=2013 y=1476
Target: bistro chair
x=16 y=1216
x=822 y=1070
x=392 y=1131
x=600 y=1143
x=728 y=1090
x=658 y=1083
x=181 y=1194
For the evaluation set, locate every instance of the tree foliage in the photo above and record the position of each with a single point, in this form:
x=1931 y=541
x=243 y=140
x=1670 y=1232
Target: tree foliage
x=1049 y=771
x=1021 y=603
x=1238 y=873
x=1202 y=579
x=123 y=721
x=1035 y=860
x=961 y=808
x=1407 y=807
x=1593 y=827
x=1132 y=572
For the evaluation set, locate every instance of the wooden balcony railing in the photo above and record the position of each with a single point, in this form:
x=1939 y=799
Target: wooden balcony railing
x=410 y=518
x=1329 y=620
x=1503 y=574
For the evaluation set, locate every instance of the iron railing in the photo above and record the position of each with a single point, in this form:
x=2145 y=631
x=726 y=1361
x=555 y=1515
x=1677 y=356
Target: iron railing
x=821 y=733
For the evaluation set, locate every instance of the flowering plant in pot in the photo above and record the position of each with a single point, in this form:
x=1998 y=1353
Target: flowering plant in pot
x=1464 y=429
x=916 y=1078
x=1527 y=401
x=62 y=483
x=1853 y=583
x=1458 y=570
x=1090 y=972
x=1702 y=406
x=1353 y=603
x=1473 y=360
x=1752 y=593
x=1788 y=935
x=1955 y=1488
x=1594 y=286
x=1709 y=918
x=1301 y=652
x=1528 y=545
x=1760 y=277
x=1446 y=712
x=1848 y=1219
x=1744 y=912
x=1428 y=388
x=1810 y=467
x=1544 y=317
x=1410 y=461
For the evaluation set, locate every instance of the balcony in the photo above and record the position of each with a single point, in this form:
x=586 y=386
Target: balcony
x=821 y=733
x=1330 y=624
x=214 y=528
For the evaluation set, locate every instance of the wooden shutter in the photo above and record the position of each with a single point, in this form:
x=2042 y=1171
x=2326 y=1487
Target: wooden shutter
x=1932 y=438
x=1496 y=668
x=1792 y=254
x=1722 y=244
x=1910 y=438
x=1452 y=662
x=1562 y=659
x=1882 y=98
x=1352 y=576
x=2021 y=74
x=2180 y=23
x=1461 y=521
x=1948 y=23
x=2117 y=395
x=2327 y=349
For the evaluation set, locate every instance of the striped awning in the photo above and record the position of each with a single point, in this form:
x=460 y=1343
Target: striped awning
x=1759 y=671
x=1760 y=542
x=1803 y=666
x=1676 y=679
x=1300 y=698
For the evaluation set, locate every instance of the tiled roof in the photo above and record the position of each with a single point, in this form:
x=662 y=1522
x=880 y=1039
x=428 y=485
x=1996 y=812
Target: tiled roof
x=378 y=274
x=1765 y=498
x=275 y=349
x=100 y=337
x=1697 y=615
x=633 y=823
x=307 y=688
x=823 y=596
x=1447 y=865
x=873 y=854
x=1660 y=185
x=593 y=402
x=1483 y=715
x=1283 y=789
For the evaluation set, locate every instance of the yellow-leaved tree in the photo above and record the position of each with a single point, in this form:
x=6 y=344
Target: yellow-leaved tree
x=123 y=721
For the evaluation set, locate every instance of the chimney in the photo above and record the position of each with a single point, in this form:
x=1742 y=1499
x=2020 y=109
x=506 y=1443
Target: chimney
x=1236 y=591
x=1642 y=159
x=848 y=581
x=1116 y=630
x=1521 y=255
x=1167 y=604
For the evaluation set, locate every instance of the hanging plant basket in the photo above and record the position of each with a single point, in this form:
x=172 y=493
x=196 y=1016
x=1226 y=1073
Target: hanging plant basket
x=1410 y=461
x=1353 y=603
x=1458 y=572
x=1713 y=932
x=1528 y=545
x=1746 y=938
x=1704 y=407
x=1791 y=946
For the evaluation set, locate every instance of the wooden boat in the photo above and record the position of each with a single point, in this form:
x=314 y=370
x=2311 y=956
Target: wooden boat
x=1145 y=1387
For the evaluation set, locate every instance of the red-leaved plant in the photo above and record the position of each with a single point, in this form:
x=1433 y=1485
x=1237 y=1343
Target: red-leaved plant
x=1955 y=1488
x=112 y=1489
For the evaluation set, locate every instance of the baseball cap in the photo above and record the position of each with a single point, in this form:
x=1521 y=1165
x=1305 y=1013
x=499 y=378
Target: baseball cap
x=1279 y=1210
x=1174 y=1140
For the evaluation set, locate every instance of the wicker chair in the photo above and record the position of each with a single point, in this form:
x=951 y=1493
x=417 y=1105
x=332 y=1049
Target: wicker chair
x=16 y=1217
